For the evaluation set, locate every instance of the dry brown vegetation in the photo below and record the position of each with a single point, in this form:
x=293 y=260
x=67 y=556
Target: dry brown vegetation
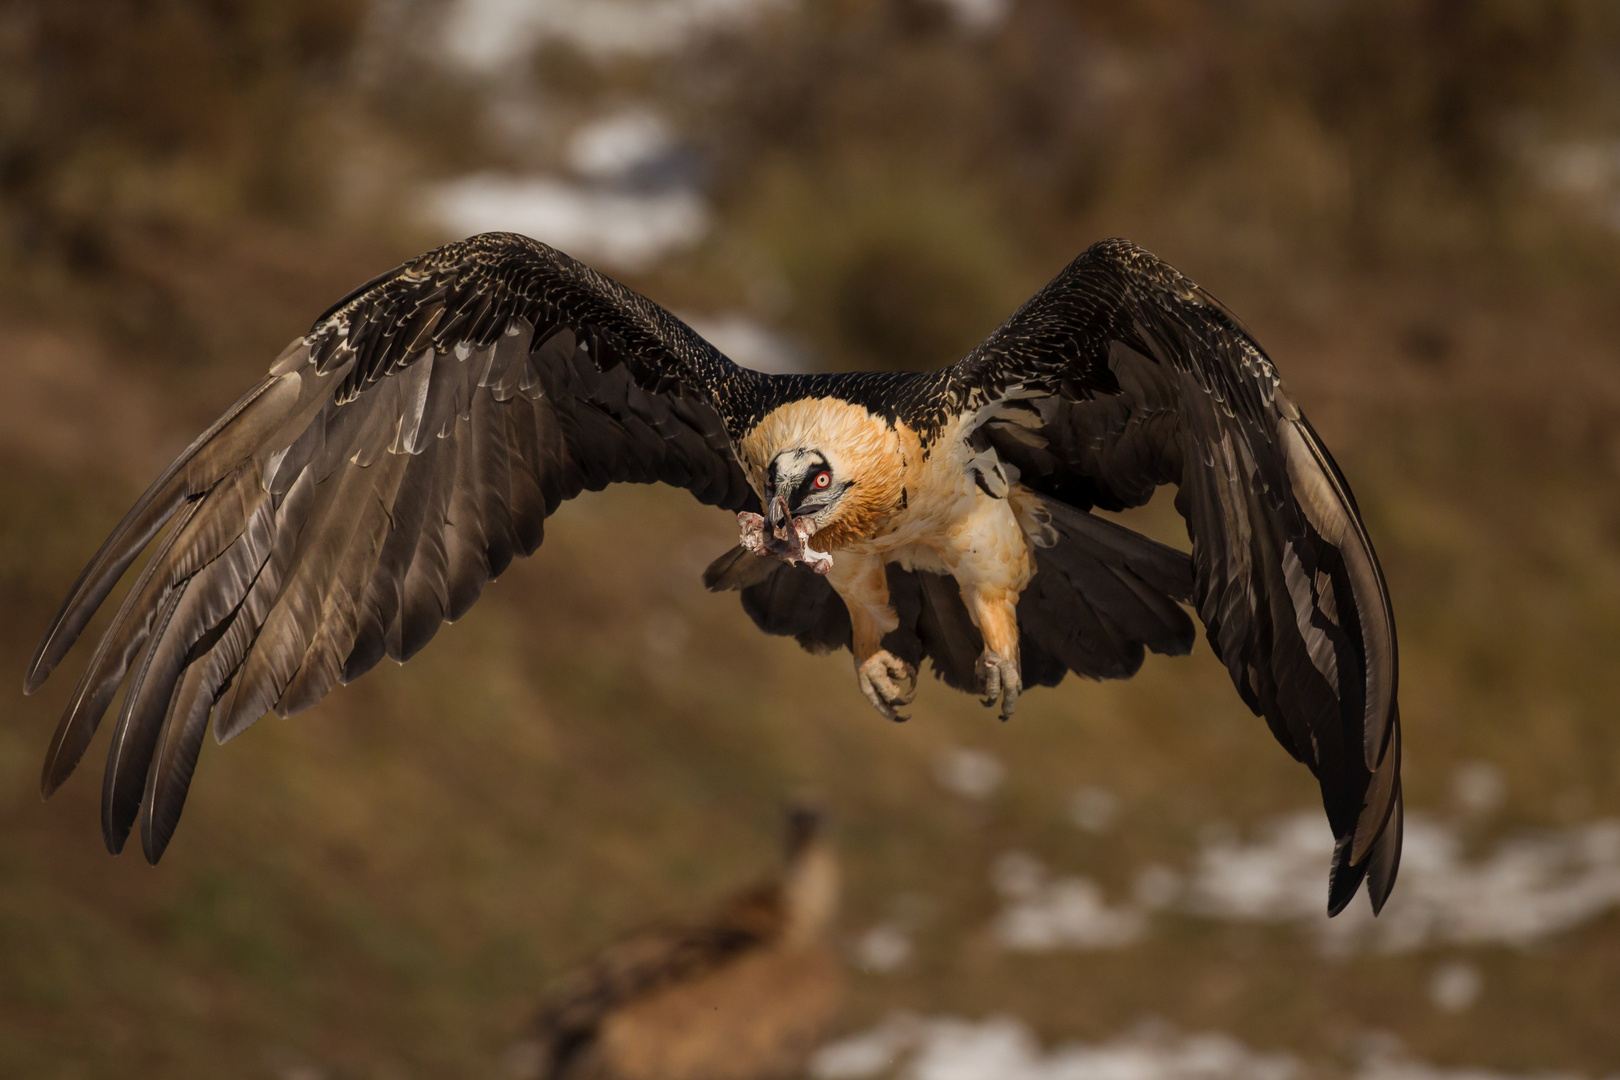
x=381 y=887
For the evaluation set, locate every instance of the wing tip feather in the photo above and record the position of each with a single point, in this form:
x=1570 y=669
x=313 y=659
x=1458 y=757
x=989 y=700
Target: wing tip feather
x=1378 y=868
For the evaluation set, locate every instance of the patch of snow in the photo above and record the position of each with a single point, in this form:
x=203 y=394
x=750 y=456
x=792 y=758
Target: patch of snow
x=613 y=147
x=1265 y=880
x=1017 y=875
x=1003 y=1048
x=980 y=16
x=972 y=774
x=884 y=948
x=752 y=344
x=1093 y=809
x=482 y=34
x=1581 y=168
x=1455 y=987
x=628 y=231
x=1530 y=887
x=1478 y=787
x=1584 y=170
x=1065 y=913
x=870 y=1053
x=1396 y=1067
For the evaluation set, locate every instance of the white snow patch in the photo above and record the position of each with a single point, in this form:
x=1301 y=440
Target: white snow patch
x=1530 y=887
x=1586 y=171
x=1093 y=809
x=884 y=948
x=1455 y=987
x=1478 y=787
x=1066 y=913
x=1582 y=167
x=1002 y=1048
x=1396 y=1067
x=613 y=146
x=972 y=774
x=869 y=1053
x=481 y=34
x=980 y=16
x=751 y=343
x=626 y=230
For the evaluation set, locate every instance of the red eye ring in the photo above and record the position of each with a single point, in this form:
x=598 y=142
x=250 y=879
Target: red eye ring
x=822 y=480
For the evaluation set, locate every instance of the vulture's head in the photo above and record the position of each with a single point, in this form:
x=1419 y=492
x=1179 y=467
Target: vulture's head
x=804 y=493
x=826 y=470
x=804 y=483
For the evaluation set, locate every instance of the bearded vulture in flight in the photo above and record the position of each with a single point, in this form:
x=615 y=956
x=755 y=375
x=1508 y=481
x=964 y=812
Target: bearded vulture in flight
x=398 y=456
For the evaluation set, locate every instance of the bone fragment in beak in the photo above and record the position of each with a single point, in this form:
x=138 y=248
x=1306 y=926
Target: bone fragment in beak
x=786 y=541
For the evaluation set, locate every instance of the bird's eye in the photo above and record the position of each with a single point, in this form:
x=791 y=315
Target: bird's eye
x=822 y=480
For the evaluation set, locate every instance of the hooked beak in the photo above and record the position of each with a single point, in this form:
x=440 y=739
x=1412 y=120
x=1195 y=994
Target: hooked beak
x=780 y=517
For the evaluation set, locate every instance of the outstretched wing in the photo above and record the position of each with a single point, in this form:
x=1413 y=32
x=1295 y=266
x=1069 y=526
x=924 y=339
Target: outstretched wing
x=394 y=459
x=1121 y=375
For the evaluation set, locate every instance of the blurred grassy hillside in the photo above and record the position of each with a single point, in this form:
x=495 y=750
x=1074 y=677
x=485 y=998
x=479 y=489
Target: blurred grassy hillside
x=1413 y=206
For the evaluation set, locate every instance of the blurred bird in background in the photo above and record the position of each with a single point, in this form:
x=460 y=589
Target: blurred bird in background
x=742 y=995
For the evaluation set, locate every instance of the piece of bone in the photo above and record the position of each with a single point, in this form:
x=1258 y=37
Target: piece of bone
x=787 y=544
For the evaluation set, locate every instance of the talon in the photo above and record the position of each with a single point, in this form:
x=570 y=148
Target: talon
x=888 y=683
x=999 y=680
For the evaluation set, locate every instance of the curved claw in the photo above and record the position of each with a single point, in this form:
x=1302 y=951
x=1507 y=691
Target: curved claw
x=888 y=683
x=1000 y=680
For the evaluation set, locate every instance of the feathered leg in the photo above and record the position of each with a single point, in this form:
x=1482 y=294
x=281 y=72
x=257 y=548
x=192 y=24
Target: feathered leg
x=991 y=561
x=995 y=612
x=887 y=681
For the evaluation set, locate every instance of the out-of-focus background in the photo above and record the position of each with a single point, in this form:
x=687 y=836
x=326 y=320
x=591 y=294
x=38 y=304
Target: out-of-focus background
x=1415 y=206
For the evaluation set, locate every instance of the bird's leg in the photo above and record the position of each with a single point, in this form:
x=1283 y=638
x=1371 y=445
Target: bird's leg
x=995 y=612
x=887 y=681
x=990 y=558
